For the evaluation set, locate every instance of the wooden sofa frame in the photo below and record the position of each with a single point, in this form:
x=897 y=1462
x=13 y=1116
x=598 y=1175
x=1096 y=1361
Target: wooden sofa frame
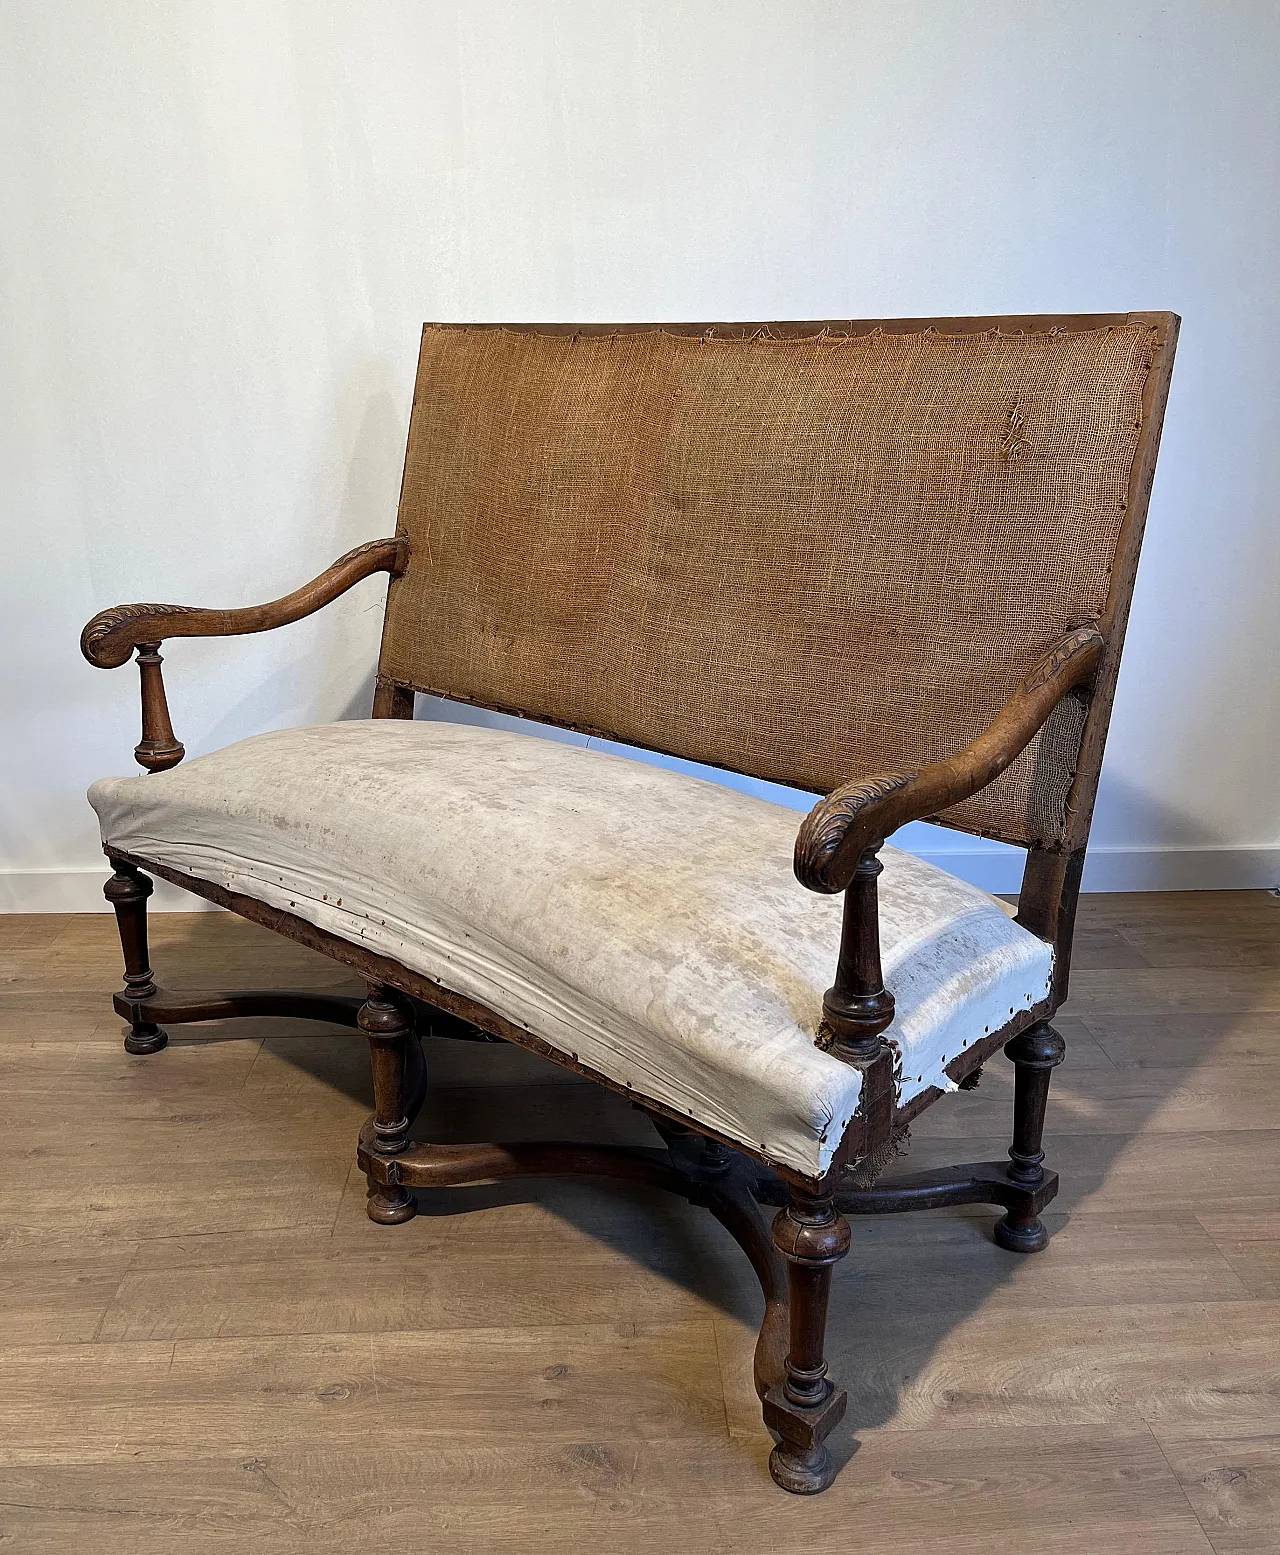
x=836 y=851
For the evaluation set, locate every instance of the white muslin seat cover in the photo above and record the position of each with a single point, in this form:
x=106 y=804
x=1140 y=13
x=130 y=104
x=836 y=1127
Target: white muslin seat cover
x=645 y=922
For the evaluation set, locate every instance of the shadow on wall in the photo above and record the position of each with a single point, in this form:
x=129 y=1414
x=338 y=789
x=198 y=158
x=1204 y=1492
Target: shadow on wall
x=367 y=511
x=1140 y=842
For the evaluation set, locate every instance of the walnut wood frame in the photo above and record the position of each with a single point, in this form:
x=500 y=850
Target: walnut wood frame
x=835 y=851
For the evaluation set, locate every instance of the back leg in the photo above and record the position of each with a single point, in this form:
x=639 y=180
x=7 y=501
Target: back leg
x=1035 y=1053
x=399 y=1085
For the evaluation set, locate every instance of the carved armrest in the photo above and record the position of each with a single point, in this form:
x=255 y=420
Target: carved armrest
x=838 y=842
x=112 y=635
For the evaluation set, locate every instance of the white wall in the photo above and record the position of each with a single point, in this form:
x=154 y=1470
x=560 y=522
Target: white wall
x=222 y=225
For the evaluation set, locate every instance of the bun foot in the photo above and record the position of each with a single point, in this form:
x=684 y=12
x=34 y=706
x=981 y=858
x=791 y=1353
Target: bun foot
x=803 y=1473
x=800 y=1462
x=1022 y=1235
x=390 y=1205
x=145 y=1038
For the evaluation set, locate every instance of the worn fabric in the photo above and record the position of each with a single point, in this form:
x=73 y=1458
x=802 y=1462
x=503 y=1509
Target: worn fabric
x=808 y=559
x=644 y=922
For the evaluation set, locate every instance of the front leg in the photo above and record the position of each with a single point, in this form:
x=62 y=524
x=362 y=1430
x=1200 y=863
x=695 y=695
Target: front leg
x=813 y=1237
x=127 y=891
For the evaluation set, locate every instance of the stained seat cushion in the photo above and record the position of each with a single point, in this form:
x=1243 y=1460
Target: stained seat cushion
x=645 y=922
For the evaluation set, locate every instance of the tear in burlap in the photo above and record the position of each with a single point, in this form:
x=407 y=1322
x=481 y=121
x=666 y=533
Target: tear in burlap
x=867 y=1169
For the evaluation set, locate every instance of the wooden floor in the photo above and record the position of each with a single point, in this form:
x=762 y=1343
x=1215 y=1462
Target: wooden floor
x=207 y=1346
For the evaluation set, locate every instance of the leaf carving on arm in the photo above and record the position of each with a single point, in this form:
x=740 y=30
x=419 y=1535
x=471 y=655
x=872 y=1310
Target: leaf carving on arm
x=827 y=823
x=95 y=638
x=1083 y=639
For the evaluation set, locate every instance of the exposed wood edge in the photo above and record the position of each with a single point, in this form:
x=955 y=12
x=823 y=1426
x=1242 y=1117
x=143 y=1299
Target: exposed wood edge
x=391 y=701
x=859 y=815
x=112 y=635
x=1047 y=905
x=781 y=329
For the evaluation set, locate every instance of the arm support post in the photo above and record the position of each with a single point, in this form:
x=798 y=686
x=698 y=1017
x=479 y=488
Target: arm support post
x=859 y=1007
x=159 y=747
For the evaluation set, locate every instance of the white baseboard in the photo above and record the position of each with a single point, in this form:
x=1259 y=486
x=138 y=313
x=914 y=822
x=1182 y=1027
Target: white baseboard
x=1183 y=869
x=999 y=869
x=993 y=867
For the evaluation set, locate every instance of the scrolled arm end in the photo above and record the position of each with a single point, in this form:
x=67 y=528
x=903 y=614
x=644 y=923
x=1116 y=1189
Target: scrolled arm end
x=112 y=635
x=827 y=826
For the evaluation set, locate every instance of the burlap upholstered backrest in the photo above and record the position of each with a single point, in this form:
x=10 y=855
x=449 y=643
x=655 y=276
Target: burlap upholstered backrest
x=800 y=552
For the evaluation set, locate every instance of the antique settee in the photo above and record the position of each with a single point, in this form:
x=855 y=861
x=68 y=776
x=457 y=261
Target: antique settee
x=888 y=563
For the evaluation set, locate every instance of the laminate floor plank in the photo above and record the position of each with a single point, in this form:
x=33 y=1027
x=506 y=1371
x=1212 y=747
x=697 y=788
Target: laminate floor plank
x=32 y=931
x=626 y=1494
x=161 y=1397
x=1166 y=1041
x=1234 y=1487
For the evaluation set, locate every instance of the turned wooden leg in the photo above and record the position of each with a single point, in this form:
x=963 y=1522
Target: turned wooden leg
x=1035 y=1053
x=127 y=891
x=813 y=1237
x=387 y=1022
